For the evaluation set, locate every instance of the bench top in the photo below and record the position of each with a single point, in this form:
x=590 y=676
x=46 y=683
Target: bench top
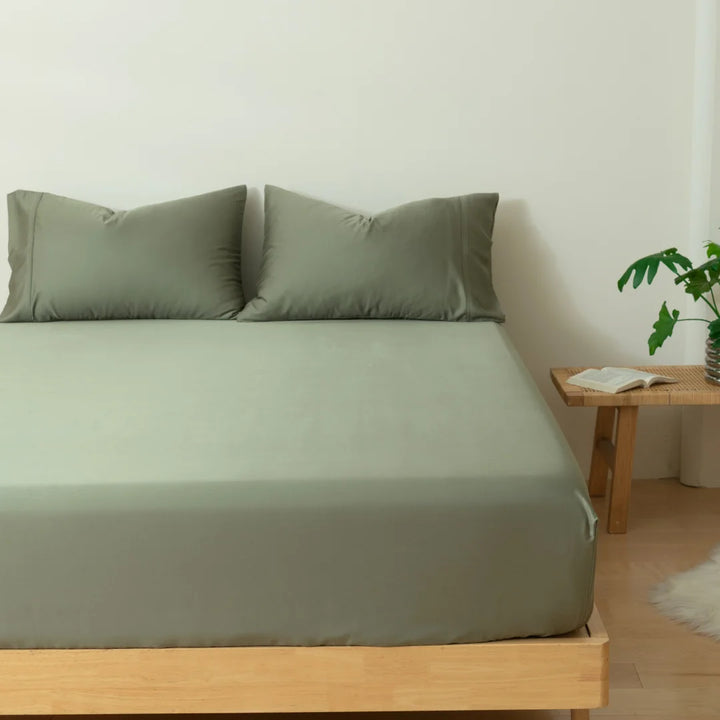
x=693 y=389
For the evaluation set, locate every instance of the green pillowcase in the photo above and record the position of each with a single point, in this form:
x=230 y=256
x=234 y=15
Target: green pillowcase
x=72 y=260
x=427 y=260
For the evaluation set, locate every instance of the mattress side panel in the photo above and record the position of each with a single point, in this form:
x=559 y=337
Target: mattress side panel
x=226 y=564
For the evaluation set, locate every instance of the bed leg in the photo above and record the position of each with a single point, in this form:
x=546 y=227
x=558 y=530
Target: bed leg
x=579 y=715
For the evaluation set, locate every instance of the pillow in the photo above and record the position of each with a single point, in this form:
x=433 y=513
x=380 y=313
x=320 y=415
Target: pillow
x=427 y=260
x=71 y=260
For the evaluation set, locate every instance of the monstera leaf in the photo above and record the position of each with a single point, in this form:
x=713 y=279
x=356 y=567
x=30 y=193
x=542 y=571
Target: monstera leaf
x=713 y=251
x=664 y=327
x=671 y=258
x=697 y=283
x=701 y=279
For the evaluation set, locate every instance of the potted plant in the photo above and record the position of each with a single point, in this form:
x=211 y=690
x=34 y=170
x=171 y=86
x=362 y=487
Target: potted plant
x=698 y=282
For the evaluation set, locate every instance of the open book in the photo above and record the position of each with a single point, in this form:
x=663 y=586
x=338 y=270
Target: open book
x=615 y=380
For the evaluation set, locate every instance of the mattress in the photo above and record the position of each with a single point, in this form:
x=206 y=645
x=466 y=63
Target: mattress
x=201 y=483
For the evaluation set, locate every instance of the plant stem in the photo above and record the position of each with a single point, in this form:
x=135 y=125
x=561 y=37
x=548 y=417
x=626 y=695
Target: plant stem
x=695 y=319
x=712 y=305
x=712 y=294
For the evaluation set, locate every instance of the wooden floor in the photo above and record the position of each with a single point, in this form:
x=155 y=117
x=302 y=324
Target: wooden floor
x=658 y=670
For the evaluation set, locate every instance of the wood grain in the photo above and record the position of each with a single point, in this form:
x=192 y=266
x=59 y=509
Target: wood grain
x=568 y=671
x=624 y=676
x=622 y=469
x=602 y=460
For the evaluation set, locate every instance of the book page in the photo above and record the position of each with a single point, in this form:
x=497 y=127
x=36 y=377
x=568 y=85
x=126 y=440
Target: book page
x=609 y=379
x=614 y=379
x=619 y=376
x=628 y=374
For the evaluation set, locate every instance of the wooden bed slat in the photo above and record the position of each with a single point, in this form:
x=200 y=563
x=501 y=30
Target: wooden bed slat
x=565 y=672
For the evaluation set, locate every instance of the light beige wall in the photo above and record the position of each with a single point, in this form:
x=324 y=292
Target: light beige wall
x=578 y=113
x=700 y=452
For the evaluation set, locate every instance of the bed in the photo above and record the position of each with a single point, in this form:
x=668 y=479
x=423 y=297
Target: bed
x=296 y=512
x=198 y=516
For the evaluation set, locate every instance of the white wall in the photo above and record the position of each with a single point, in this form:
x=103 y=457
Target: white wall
x=700 y=453
x=579 y=112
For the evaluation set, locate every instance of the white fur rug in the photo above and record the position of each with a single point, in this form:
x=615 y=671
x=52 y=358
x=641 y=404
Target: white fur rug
x=693 y=597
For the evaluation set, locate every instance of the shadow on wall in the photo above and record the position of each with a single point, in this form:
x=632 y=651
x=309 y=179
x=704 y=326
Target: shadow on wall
x=549 y=330
x=252 y=241
x=542 y=318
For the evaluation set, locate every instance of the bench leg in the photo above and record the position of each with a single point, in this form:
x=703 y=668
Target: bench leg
x=604 y=425
x=579 y=715
x=622 y=470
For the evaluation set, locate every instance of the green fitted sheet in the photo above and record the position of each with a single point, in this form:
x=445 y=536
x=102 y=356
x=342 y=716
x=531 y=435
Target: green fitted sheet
x=170 y=483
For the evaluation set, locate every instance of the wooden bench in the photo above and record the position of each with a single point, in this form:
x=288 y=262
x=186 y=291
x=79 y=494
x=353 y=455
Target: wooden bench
x=616 y=422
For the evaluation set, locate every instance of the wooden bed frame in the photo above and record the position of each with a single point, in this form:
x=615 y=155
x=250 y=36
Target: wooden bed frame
x=569 y=671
